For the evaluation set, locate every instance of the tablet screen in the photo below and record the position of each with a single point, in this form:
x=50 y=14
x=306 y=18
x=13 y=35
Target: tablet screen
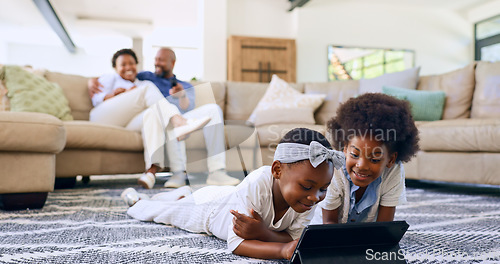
x=349 y=236
x=352 y=234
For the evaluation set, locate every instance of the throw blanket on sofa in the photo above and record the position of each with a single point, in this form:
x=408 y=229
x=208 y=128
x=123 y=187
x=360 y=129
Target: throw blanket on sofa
x=28 y=92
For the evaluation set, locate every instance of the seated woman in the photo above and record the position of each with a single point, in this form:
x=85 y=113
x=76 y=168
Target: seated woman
x=123 y=100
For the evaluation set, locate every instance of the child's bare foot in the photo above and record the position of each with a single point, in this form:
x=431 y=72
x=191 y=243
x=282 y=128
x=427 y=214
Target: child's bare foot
x=130 y=196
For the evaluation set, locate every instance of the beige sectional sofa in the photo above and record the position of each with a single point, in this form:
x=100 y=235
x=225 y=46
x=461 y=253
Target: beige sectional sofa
x=463 y=147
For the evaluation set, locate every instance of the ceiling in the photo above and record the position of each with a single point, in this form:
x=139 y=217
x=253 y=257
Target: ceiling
x=97 y=17
x=457 y=5
x=83 y=18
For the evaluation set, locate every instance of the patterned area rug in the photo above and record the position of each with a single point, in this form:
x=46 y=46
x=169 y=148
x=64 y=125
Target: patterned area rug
x=88 y=224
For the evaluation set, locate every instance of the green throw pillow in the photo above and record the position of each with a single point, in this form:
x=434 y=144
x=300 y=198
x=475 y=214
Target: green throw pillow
x=425 y=105
x=28 y=92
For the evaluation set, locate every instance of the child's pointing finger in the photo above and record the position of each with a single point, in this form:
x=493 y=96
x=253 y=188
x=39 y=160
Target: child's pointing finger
x=240 y=217
x=256 y=215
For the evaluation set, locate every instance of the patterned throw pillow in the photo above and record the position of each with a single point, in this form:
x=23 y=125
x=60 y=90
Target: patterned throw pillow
x=28 y=92
x=425 y=105
x=280 y=95
x=4 y=100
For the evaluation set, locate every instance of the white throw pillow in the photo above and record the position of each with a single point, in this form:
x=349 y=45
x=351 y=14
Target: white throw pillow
x=404 y=79
x=280 y=95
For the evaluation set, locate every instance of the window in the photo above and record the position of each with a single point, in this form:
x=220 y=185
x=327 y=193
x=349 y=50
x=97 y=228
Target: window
x=345 y=63
x=487 y=39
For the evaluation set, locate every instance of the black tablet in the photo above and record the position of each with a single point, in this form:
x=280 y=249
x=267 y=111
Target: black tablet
x=351 y=243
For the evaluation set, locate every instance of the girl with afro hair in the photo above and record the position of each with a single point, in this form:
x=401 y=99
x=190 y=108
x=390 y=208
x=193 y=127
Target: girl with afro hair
x=377 y=134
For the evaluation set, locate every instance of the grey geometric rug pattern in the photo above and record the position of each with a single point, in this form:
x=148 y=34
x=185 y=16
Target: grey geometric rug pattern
x=451 y=224
x=88 y=224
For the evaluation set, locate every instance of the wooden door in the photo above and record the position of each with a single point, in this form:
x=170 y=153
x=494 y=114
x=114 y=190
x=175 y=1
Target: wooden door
x=253 y=59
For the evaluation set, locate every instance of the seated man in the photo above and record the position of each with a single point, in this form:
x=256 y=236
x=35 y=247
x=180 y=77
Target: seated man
x=180 y=94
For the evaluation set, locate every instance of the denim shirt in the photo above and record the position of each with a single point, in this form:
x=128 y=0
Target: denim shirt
x=358 y=211
x=165 y=84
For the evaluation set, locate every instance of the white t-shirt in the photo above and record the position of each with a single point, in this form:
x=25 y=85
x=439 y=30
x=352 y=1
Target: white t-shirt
x=391 y=192
x=254 y=192
x=110 y=82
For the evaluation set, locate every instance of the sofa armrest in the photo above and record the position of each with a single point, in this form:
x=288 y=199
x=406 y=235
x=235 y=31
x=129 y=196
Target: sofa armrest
x=31 y=132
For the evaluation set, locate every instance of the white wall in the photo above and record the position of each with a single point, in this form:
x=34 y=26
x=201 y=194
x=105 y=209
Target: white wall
x=215 y=40
x=3 y=52
x=261 y=18
x=487 y=10
x=187 y=45
x=442 y=40
x=57 y=58
x=33 y=42
x=257 y=18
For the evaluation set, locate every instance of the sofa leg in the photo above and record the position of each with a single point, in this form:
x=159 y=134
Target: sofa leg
x=85 y=179
x=21 y=201
x=65 y=183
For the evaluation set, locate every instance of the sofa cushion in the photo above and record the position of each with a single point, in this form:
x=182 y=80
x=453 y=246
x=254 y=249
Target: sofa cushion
x=75 y=90
x=278 y=116
x=243 y=97
x=235 y=134
x=461 y=135
x=31 y=132
x=210 y=93
x=280 y=95
x=458 y=86
x=270 y=135
x=475 y=168
x=88 y=135
x=28 y=92
x=486 y=102
x=27 y=172
x=425 y=105
x=405 y=79
x=336 y=92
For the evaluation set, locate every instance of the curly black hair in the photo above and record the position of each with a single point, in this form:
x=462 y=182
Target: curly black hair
x=304 y=136
x=122 y=52
x=380 y=117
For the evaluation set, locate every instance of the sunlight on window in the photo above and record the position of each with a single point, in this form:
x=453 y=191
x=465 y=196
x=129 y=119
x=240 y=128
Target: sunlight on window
x=345 y=63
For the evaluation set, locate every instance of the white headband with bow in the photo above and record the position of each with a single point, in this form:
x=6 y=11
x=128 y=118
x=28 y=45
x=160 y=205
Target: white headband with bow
x=314 y=152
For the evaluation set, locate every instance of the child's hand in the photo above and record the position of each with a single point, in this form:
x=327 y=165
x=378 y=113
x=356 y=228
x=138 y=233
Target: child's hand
x=288 y=249
x=248 y=227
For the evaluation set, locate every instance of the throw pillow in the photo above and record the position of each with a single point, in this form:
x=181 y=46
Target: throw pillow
x=285 y=116
x=486 y=99
x=459 y=88
x=4 y=100
x=280 y=95
x=405 y=79
x=28 y=92
x=425 y=105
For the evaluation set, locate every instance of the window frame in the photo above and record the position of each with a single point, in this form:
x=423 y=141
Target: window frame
x=485 y=42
